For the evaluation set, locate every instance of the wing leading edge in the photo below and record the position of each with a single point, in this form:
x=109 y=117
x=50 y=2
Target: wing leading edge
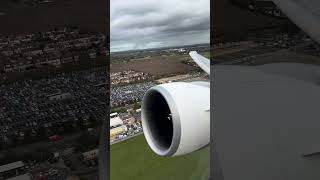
x=203 y=63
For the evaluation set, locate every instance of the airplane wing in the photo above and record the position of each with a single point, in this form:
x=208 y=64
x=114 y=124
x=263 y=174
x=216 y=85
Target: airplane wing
x=203 y=63
x=304 y=72
x=266 y=124
x=304 y=13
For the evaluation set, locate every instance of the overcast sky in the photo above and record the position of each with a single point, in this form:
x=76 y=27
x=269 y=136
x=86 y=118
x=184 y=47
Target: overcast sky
x=143 y=24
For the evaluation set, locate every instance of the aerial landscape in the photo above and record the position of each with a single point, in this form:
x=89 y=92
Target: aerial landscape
x=150 y=45
x=54 y=98
x=149 y=68
x=65 y=79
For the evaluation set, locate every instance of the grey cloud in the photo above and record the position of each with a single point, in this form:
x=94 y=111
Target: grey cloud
x=151 y=23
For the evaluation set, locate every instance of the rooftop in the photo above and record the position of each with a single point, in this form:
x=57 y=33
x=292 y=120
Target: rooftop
x=8 y=167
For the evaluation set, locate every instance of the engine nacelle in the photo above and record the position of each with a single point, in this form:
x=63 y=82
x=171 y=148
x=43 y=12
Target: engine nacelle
x=176 y=117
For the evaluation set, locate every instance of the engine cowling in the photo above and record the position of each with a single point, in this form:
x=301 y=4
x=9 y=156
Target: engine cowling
x=176 y=117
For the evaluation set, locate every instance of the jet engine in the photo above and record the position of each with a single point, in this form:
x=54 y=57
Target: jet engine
x=176 y=117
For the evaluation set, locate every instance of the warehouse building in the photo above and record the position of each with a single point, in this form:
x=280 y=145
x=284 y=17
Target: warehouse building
x=116 y=126
x=115 y=120
x=11 y=170
x=90 y=155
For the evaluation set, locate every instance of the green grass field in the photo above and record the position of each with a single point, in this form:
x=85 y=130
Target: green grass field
x=134 y=160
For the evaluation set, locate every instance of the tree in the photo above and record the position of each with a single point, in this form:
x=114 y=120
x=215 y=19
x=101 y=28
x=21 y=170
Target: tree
x=42 y=132
x=136 y=106
x=86 y=141
x=8 y=157
x=80 y=123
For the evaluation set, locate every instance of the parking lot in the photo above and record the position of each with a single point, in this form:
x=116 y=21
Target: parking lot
x=123 y=95
x=29 y=106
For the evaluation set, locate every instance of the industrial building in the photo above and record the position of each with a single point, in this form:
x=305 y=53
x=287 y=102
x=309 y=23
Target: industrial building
x=90 y=155
x=115 y=120
x=116 y=126
x=11 y=170
x=117 y=131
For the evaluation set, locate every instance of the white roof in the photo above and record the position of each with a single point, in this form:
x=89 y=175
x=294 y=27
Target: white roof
x=88 y=153
x=113 y=114
x=115 y=121
x=8 y=167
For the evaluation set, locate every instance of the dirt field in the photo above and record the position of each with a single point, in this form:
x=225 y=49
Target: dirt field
x=157 y=66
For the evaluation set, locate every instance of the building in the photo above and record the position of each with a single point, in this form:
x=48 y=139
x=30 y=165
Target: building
x=116 y=126
x=129 y=120
x=59 y=96
x=115 y=114
x=115 y=121
x=117 y=131
x=90 y=155
x=12 y=169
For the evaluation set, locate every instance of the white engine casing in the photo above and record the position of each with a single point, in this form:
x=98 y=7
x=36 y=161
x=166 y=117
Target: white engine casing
x=188 y=129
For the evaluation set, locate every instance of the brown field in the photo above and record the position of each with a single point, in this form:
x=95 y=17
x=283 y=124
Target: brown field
x=157 y=66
